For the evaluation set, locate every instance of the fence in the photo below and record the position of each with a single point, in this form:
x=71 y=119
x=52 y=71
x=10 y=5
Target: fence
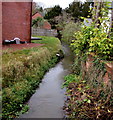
x=44 y=32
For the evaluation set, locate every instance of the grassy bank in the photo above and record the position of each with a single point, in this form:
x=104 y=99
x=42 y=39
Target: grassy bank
x=22 y=72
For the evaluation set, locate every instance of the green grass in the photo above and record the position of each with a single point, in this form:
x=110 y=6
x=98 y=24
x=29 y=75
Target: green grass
x=51 y=43
x=48 y=42
x=22 y=72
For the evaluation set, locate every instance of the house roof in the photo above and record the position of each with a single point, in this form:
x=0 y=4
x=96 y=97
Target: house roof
x=46 y=25
x=37 y=15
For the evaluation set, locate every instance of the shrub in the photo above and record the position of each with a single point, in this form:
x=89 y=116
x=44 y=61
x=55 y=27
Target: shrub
x=69 y=30
x=91 y=39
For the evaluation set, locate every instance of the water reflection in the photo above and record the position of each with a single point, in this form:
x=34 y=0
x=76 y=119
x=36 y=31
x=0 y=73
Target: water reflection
x=48 y=100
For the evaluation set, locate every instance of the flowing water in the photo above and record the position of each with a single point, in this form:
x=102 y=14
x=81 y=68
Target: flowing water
x=48 y=100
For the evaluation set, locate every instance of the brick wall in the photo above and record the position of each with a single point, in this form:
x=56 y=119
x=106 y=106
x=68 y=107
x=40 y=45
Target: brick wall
x=16 y=20
x=0 y=24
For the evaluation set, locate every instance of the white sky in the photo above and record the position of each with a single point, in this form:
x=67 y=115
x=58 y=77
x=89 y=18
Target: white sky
x=51 y=3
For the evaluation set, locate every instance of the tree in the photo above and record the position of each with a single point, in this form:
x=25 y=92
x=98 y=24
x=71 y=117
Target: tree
x=55 y=11
x=52 y=14
x=111 y=24
x=97 y=13
x=69 y=30
x=79 y=9
x=38 y=22
x=36 y=8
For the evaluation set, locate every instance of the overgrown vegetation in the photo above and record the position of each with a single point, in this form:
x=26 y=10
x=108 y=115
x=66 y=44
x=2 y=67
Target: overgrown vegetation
x=89 y=91
x=22 y=72
x=88 y=96
x=69 y=30
x=96 y=40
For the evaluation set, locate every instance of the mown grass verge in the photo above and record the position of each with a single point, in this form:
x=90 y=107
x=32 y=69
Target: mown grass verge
x=22 y=72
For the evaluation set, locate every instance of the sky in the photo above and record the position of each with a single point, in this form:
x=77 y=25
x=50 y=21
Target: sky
x=51 y=3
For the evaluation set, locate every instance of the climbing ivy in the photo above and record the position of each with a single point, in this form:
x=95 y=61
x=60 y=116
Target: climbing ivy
x=94 y=39
x=89 y=97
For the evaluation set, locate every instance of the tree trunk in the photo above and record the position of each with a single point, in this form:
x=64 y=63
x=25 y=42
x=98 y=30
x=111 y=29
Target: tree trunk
x=111 y=26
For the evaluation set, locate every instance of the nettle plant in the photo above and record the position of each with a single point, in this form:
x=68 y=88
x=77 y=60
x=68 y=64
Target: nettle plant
x=92 y=39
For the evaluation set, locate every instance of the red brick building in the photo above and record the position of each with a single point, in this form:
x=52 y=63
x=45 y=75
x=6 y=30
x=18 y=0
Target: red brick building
x=16 y=20
x=46 y=24
x=0 y=24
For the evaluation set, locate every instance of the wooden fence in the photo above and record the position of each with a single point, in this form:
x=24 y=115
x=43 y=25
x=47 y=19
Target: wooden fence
x=44 y=32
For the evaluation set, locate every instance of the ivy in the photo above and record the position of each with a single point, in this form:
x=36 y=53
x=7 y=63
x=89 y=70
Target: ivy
x=93 y=39
x=89 y=97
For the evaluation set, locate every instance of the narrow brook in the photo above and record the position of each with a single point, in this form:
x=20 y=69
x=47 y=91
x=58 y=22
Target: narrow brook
x=49 y=98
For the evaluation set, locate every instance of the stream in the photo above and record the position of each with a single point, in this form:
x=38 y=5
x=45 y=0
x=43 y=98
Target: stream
x=49 y=98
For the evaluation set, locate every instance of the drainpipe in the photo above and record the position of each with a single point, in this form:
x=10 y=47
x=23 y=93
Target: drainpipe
x=30 y=20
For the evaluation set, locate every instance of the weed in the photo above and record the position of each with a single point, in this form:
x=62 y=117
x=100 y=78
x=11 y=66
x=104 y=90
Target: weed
x=22 y=72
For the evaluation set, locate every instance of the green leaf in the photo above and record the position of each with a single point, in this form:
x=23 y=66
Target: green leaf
x=89 y=101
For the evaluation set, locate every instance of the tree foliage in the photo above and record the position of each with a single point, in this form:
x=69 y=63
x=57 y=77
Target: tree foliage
x=95 y=38
x=36 y=8
x=38 y=22
x=69 y=30
x=55 y=11
x=78 y=9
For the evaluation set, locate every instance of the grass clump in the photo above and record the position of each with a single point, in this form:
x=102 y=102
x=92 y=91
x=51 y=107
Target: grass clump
x=22 y=72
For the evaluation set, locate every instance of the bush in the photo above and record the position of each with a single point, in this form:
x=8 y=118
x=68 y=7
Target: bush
x=69 y=30
x=96 y=40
